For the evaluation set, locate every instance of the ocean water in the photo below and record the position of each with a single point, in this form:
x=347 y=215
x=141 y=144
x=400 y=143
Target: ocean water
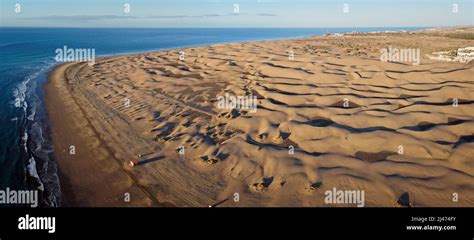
x=27 y=55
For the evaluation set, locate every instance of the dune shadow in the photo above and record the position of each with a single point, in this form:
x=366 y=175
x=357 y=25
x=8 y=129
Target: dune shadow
x=425 y=126
x=464 y=139
x=150 y=160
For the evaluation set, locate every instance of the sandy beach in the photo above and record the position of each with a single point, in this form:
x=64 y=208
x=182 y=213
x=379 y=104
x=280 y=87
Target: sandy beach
x=330 y=114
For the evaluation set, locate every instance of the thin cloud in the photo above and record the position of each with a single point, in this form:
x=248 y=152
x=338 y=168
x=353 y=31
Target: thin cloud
x=170 y=16
x=115 y=17
x=83 y=17
x=185 y=16
x=208 y=15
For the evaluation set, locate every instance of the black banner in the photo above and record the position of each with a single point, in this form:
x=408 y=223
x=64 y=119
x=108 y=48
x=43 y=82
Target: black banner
x=381 y=223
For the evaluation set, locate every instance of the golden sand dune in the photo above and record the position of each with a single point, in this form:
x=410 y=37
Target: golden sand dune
x=355 y=122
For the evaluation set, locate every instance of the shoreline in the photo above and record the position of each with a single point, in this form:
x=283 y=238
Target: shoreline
x=160 y=182
x=395 y=30
x=105 y=195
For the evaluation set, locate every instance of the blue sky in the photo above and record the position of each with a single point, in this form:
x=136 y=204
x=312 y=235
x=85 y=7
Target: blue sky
x=220 y=13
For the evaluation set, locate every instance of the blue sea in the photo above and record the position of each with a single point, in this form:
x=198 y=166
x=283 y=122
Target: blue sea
x=27 y=55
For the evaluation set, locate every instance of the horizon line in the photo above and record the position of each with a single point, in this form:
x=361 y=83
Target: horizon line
x=457 y=26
